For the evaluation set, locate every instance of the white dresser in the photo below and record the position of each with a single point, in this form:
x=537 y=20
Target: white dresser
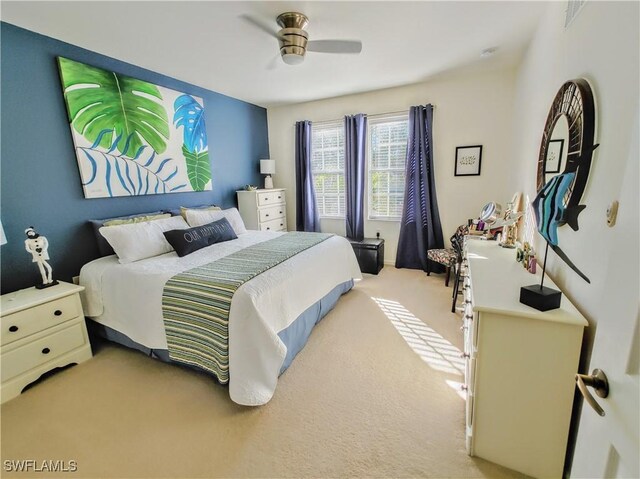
x=40 y=329
x=264 y=210
x=520 y=365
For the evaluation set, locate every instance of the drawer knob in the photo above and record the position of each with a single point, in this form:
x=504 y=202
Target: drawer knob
x=13 y=329
x=465 y=355
x=279 y=197
x=268 y=227
x=46 y=351
x=267 y=215
x=57 y=312
x=279 y=212
x=281 y=224
x=266 y=198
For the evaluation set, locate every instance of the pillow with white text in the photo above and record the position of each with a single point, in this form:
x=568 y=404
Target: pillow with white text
x=203 y=217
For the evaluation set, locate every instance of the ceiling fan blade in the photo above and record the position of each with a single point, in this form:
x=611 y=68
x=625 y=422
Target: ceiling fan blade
x=334 y=46
x=260 y=24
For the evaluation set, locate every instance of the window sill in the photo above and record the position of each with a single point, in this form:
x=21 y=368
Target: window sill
x=386 y=220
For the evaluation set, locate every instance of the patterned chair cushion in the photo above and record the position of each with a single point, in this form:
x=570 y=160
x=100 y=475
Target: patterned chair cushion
x=447 y=257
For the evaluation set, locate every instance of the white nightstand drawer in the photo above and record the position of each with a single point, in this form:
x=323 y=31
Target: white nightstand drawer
x=23 y=323
x=270 y=197
x=271 y=213
x=274 y=225
x=45 y=349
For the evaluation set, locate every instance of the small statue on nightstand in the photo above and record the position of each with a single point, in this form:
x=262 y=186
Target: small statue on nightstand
x=38 y=246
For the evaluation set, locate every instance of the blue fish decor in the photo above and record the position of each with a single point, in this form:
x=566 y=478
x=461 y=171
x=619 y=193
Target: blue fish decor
x=551 y=213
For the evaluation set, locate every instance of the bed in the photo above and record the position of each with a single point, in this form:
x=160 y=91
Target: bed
x=270 y=317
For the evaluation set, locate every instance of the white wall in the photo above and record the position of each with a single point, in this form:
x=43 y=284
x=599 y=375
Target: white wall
x=601 y=45
x=471 y=109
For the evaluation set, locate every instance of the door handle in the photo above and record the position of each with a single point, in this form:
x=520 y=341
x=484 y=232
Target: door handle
x=598 y=381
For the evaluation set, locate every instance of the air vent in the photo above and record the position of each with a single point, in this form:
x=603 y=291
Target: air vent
x=573 y=9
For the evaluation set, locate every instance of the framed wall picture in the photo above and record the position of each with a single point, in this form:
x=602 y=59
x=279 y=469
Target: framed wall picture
x=133 y=137
x=468 y=160
x=554 y=156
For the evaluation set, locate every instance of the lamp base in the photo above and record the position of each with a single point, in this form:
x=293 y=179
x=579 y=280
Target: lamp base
x=542 y=299
x=268 y=182
x=48 y=285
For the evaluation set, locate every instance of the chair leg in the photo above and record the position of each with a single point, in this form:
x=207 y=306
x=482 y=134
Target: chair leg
x=455 y=290
x=455 y=281
x=446 y=279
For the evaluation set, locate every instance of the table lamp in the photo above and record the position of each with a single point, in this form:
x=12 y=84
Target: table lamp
x=268 y=167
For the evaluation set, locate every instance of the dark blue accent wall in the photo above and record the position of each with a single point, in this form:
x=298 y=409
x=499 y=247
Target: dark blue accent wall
x=40 y=181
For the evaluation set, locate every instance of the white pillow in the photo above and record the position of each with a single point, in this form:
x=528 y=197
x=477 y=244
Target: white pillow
x=136 y=241
x=204 y=217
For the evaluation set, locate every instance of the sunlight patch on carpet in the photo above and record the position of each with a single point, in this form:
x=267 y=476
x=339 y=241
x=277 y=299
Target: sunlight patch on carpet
x=434 y=350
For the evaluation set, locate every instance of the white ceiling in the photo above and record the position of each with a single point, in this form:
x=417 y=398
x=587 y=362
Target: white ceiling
x=209 y=43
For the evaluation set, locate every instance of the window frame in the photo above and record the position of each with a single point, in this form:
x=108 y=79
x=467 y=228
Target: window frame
x=376 y=120
x=342 y=198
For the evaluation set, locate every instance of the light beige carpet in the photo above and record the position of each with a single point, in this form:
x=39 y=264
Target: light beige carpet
x=373 y=394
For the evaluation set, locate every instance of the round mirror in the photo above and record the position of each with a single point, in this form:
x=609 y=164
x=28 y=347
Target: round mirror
x=556 y=160
x=568 y=139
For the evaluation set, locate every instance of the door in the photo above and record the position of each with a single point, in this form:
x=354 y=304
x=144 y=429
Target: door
x=608 y=447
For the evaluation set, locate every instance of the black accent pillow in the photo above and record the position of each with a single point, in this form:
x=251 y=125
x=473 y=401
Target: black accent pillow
x=192 y=239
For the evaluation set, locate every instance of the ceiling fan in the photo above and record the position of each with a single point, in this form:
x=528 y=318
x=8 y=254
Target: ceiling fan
x=294 y=40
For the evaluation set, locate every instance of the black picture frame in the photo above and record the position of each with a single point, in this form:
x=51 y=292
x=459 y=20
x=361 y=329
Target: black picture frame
x=465 y=155
x=553 y=150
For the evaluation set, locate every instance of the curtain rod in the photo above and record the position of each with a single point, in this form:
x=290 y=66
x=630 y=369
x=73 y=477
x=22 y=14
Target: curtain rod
x=376 y=115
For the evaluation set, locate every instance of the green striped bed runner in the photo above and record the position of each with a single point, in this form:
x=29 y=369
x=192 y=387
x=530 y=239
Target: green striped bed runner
x=196 y=303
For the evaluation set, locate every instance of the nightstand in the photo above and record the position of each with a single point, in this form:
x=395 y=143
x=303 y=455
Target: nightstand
x=40 y=329
x=264 y=210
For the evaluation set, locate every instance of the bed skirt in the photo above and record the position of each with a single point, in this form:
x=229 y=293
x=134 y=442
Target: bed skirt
x=294 y=337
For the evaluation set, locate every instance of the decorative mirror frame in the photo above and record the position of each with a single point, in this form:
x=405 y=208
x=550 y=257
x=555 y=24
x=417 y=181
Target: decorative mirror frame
x=575 y=101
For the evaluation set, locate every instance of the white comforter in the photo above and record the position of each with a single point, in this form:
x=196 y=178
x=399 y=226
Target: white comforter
x=128 y=298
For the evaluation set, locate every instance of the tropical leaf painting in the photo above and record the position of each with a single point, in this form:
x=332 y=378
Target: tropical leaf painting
x=125 y=143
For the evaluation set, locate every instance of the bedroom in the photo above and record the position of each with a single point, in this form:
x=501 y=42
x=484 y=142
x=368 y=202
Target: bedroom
x=366 y=401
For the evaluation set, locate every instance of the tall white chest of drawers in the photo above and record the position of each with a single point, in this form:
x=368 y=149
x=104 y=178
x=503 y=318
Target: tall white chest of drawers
x=520 y=365
x=264 y=210
x=40 y=330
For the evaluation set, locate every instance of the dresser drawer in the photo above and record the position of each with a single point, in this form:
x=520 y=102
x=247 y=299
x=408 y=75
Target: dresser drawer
x=23 y=323
x=270 y=198
x=42 y=350
x=274 y=225
x=271 y=213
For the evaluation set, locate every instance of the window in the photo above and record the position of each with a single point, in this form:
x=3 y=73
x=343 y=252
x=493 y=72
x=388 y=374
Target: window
x=327 y=168
x=387 y=154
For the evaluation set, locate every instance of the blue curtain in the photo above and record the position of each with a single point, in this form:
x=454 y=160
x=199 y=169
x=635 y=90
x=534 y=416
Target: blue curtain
x=420 y=229
x=355 y=145
x=307 y=218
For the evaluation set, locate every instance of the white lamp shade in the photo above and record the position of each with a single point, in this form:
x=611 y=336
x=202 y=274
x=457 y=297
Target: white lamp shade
x=267 y=167
x=3 y=238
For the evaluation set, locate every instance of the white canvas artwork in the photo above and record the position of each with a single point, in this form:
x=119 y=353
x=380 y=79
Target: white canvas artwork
x=133 y=137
